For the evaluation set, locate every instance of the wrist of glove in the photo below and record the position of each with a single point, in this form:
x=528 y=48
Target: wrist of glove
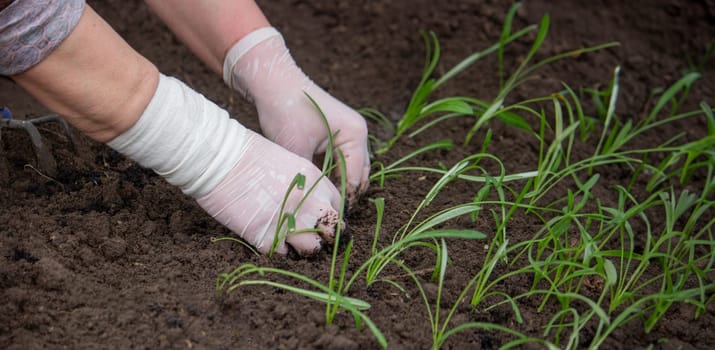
x=261 y=68
x=237 y=176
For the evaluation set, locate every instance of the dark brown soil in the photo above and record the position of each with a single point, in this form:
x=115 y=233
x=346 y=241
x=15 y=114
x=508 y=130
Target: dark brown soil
x=108 y=255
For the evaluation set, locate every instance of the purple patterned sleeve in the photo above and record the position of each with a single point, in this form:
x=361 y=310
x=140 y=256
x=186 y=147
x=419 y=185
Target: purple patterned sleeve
x=4 y=3
x=31 y=29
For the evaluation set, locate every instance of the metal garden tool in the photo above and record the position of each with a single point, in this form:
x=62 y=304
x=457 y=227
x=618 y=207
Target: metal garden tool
x=45 y=161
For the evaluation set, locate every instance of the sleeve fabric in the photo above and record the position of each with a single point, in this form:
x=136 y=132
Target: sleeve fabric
x=31 y=29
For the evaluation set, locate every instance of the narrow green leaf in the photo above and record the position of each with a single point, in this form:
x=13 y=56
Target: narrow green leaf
x=464 y=64
x=447 y=233
x=670 y=93
x=503 y=40
x=447 y=105
x=514 y=120
x=709 y=115
x=611 y=272
x=446 y=215
x=344 y=302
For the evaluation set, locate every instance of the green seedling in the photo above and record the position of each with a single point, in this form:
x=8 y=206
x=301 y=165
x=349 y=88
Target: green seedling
x=333 y=293
x=599 y=264
x=420 y=234
x=420 y=108
x=521 y=75
x=229 y=282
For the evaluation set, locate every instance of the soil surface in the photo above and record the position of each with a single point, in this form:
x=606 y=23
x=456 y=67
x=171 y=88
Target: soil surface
x=106 y=254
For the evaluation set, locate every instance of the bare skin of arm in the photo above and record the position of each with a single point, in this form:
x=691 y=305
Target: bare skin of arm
x=94 y=79
x=210 y=27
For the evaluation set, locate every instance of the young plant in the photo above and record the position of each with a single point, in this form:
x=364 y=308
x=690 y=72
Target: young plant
x=420 y=108
x=575 y=248
x=392 y=170
x=522 y=74
x=421 y=234
x=239 y=277
x=584 y=258
x=440 y=327
x=333 y=293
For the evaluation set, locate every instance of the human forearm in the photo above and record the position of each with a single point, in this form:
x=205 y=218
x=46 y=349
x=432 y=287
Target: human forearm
x=210 y=27
x=94 y=79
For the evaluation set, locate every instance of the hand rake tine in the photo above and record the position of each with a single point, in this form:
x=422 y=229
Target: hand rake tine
x=58 y=119
x=45 y=161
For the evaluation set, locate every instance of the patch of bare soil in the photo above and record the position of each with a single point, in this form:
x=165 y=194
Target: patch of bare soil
x=108 y=255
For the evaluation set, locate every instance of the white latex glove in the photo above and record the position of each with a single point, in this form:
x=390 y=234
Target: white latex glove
x=248 y=200
x=236 y=175
x=262 y=69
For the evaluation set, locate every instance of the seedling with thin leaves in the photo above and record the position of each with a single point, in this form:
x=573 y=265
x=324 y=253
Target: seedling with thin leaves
x=420 y=107
x=600 y=265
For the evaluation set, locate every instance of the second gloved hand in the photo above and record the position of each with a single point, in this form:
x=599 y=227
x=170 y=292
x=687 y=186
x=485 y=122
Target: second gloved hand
x=261 y=67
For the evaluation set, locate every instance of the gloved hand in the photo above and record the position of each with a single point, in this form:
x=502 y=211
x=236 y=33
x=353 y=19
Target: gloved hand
x=262 y=69
x=236 y=175
x=248 y=200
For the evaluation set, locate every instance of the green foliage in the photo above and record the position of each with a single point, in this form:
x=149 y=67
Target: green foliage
x=599 y=265
x=420 y=108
